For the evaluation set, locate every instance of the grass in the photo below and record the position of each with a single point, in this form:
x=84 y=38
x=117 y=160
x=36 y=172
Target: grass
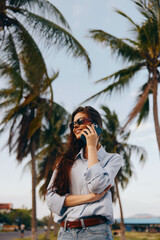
x=40 y=237
x=129 y=236
x=140 y=236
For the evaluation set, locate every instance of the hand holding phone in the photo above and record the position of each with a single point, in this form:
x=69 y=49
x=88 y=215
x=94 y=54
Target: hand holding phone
x=98 y=131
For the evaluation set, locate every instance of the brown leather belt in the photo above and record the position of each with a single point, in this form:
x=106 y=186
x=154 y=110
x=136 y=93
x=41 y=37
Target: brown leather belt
x=87 y=222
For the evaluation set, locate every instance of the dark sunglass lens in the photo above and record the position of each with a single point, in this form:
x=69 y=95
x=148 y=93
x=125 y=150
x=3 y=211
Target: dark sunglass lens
x=80 y=121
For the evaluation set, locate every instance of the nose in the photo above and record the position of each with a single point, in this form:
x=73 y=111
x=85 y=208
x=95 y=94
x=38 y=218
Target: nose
x=76 y=125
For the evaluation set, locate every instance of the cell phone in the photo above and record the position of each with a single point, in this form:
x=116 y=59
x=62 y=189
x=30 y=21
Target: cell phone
x=98 y=131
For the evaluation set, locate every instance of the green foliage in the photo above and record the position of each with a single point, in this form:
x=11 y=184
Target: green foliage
x=17 y=216
x=40 y=19
x=129 y=236
x=141 y=53
x=41 y=237
x=54 y=140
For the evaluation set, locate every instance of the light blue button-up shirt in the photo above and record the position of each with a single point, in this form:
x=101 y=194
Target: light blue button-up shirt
x=83 y=181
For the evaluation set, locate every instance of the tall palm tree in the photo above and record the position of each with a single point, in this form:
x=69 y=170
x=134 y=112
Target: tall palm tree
x=22 y=21
x=115 y=140
x=141 y=53
x=26 y=107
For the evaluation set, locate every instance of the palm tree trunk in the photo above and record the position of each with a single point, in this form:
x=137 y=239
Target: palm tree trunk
x=48 y=227
x=122 y=226
x=34 y=219
x=155 y=109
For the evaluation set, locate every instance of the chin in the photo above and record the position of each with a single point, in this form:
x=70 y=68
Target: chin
x=78 y=136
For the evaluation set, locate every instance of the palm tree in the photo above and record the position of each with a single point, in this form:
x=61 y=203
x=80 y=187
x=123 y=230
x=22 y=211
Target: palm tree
x=24 y=21
x=141 y=53
x=115 y=140
x=26 y=107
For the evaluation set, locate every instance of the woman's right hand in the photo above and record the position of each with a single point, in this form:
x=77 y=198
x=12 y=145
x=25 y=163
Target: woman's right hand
x=97 y=196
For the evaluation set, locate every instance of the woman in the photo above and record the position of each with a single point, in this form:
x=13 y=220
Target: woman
x=78 y=193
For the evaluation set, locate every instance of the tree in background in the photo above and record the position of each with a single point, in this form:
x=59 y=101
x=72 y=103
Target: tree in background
x=53 y=143
x=54 y=140
x=116 y=141
x=17 y=217
x=26 y=105
x=22 y=21
x=142 y=53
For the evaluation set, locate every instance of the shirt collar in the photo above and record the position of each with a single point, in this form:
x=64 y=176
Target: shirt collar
x=101 y=154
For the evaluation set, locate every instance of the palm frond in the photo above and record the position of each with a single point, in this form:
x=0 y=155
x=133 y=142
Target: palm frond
x=124 y=77
x=140 y=151
x=12 y=68
x=11 y=94
x=140 y=103
x=144 y=113
x=9 y=115
x=48 y=83
x=42 y=7
x=13 y=75
x=126 y=16
x=29 y=49
x=129 y=72
x=7 y=103
x=134 y=43
x=124 y=50
x=35 y=124
x=54 y=34
x=11 y=52
x=146 y=11
x=33 y=60
x=149 y=34
x=148 y=39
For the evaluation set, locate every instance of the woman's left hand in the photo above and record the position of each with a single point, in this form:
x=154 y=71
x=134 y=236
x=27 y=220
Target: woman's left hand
x=91 y=136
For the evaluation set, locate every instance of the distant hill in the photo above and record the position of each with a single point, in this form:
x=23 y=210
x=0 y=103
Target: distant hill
x=145 y=215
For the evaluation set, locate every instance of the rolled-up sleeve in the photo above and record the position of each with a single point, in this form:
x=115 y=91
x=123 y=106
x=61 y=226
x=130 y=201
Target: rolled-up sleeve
x=99 y=178
x=54 y=201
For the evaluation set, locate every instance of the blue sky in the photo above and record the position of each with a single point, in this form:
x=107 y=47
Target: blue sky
x=74 y=85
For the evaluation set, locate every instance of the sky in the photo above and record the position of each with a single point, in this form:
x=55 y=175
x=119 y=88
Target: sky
x=73 y=86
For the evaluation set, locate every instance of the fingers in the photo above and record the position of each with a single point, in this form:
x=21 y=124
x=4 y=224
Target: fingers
x=98 y=196
x=90 y=130
x=107 y=188
x=86 y=132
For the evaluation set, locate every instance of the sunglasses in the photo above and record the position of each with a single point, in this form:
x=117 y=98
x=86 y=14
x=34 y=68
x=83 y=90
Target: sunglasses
x=80 y=121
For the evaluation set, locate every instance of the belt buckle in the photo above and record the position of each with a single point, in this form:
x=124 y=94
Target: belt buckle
x=67 y=224
x=82 y=223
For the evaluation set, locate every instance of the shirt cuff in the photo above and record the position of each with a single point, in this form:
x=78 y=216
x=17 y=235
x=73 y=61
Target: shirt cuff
x=55 y=203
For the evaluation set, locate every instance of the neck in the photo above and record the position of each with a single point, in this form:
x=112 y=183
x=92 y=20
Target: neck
x=85 y=152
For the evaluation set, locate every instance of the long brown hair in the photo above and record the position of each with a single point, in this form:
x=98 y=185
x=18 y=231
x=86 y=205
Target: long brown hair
x=64 y=163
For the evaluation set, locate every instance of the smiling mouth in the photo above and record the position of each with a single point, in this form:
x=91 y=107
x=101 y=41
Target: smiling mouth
x=78 y=131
